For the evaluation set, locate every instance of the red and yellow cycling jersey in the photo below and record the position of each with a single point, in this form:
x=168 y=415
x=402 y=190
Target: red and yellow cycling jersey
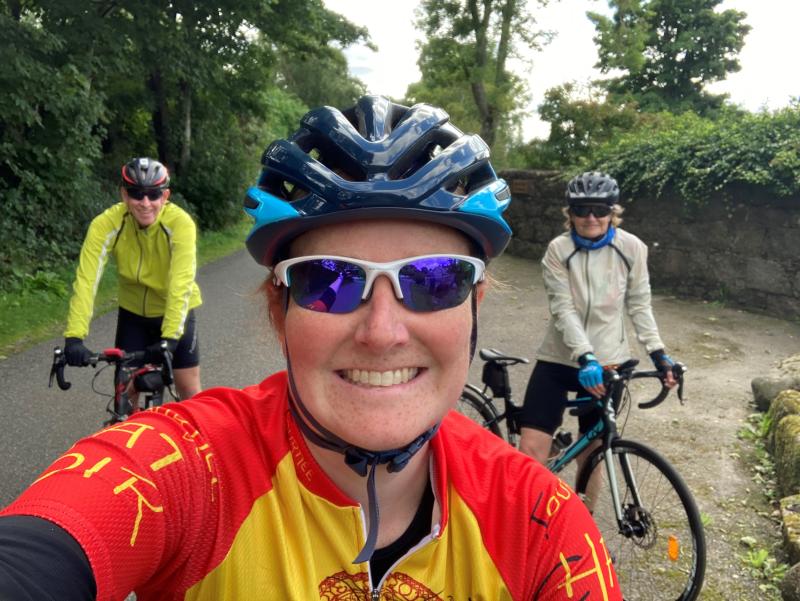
x=219 y=498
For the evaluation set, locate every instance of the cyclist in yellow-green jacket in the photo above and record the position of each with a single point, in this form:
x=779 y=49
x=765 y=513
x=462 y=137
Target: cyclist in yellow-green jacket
x=154 y=245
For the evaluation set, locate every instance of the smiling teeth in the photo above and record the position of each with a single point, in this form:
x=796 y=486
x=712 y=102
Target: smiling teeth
x=381 y=378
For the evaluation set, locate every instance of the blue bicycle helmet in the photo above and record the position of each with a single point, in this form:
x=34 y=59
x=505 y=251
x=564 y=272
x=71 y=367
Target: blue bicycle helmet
x=376 y=160
x=592 y=187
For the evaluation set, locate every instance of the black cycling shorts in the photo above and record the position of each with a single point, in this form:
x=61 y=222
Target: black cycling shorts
x=546 y=398
x=135 y=333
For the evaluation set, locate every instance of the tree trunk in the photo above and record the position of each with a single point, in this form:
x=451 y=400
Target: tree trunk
x=480 y=25
x=160 y=117
x=186 y=147
x=505 y=40
x=486 y=111
x=15 y=8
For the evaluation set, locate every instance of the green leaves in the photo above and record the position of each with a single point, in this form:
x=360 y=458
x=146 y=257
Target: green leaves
x=694 y=156
x=667 y=50
x=463 y=64
x=49 y=137
x=203 y=87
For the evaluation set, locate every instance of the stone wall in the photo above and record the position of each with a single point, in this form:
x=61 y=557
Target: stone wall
x=783 y=442
x=741 y=248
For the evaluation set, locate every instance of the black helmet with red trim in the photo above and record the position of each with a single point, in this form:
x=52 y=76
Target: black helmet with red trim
x=143 y=172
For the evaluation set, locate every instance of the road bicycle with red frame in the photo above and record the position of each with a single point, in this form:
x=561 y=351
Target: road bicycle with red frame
x=137 y=386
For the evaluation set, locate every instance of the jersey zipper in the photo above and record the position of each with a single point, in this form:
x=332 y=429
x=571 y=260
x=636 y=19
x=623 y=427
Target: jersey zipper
x=376 y=592
x=139 y=272
x=435 y=530
x=588 y=293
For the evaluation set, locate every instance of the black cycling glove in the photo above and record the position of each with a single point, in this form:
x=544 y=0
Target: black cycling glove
x=76 y=353
x=662 y=361
x=153 y=353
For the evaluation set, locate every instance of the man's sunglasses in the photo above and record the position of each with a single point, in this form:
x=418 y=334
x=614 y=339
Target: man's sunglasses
x=340 y=284
x=585 y=210
x=139 y=193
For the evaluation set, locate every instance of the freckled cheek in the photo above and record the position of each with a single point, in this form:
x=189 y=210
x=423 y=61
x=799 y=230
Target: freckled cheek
x=313 y=338
x=448 y=337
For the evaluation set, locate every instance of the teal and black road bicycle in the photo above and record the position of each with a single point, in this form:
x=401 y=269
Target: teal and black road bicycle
x=646 y=513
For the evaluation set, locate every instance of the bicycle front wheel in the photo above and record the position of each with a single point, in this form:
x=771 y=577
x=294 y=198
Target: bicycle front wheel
x=479 y=409
x=658 y=548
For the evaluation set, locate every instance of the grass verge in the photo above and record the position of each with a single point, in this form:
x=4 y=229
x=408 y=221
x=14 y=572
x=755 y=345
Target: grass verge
x=38 y=310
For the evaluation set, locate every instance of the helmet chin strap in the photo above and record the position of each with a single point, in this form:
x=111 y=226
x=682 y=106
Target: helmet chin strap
x=361 y=461
x=364 y=461
x=473 y=336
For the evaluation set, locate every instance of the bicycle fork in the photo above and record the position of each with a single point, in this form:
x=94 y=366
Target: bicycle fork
x=609 y=436
x=629 y=525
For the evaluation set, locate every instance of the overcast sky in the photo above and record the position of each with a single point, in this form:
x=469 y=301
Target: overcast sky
x=769 y=76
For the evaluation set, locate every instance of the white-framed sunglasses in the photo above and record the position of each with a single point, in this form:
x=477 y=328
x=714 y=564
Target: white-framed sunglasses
x=332 y=284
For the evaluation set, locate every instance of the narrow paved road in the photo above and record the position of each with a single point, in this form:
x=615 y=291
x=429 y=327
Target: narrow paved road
x=724 y=348
x=39 y=423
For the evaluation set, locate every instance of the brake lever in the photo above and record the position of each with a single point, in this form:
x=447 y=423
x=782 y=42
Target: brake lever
x=57 y=370
x=678 y=370
x=167 y=374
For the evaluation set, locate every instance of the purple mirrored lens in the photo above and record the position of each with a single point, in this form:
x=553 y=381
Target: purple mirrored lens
x=436 y=283
x=327 y=285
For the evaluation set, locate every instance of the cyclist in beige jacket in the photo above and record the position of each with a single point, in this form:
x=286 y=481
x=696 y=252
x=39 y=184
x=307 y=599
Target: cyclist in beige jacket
x=594 y=274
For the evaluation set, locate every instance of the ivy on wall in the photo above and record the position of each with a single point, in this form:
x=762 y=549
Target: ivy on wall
x=694 y=157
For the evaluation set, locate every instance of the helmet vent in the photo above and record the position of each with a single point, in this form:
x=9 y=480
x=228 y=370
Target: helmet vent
x=459 y=186
x=327 y=154
x=282 y=188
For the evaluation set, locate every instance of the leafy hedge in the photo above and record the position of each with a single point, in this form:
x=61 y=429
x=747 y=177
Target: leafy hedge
x=48 y=145
x=695 y=157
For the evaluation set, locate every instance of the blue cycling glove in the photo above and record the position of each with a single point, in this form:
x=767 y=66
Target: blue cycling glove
x=662 y=361
x=591 y=372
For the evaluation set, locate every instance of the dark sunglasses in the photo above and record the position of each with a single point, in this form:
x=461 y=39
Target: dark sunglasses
x=139 y=193
x=596 y=210
x=339 y=284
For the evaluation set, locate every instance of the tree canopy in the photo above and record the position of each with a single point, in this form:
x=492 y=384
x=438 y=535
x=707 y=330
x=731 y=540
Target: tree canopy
x=464 y=61
x=668 y=50
x=201 y=87
x=664 y=52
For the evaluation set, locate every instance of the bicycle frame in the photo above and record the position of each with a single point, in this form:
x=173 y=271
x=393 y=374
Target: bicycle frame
x=129 y=378
x=121 y=406
x=606 y=429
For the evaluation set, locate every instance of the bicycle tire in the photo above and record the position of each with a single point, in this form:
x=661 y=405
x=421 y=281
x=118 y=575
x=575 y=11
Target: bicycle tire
x=479 y=409
x=665 y=559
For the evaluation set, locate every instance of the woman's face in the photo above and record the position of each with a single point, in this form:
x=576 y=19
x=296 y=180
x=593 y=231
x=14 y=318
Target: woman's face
x=591 y=226
x=428 y=351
